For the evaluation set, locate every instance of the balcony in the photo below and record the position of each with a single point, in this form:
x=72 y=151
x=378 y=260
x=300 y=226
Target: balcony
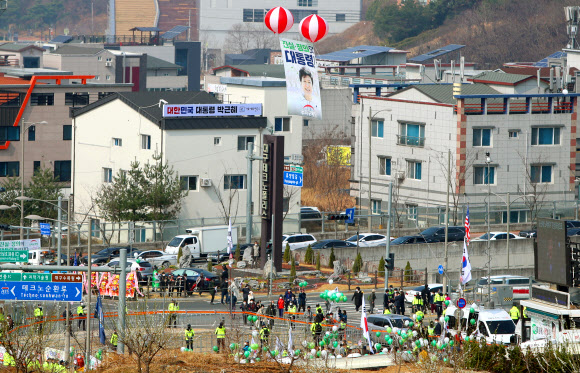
x=418 y=142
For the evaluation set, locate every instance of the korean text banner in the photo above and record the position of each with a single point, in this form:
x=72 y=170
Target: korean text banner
x=211 y=110
x=302 y=87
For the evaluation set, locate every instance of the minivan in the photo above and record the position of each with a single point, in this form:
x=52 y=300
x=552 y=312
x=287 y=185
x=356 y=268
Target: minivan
x=297 y=241
x=437 y=234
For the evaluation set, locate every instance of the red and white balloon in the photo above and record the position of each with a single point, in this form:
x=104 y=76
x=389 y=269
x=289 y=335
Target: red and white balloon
x=313 y=28
x=279 y=20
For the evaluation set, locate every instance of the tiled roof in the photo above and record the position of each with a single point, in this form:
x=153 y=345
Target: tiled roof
x=443 y=93
x=157 y=63
x=491 y=76
x=271 y=71
x=72 y=49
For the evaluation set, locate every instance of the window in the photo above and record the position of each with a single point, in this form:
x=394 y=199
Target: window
x=76 y=99
x=285 y=204
x=412 y=134
x=108 y=77
x=62 y=170
x=414 y=170
x=234 y=182
x=32 y=133
x=411 y=211
x=67 y=132
x=100 y=58
x=9 y=169
x=109 y=59
x=513 y=134
x=545 y=136
x=480 y=176
x=376 y=205
x=305 y=122
x=217 y=141
x=145 y=141
x=515 y=216
x=117 y=142
x=188 y=182
x=307 y=2
x=35 y=166
x=282 y=124
x=107 y=175
x=253 y=15
x=541 y=174
x=31 y=62
x=384 y=166
x=9 y=133
x=340 y=17
x=42 y=99
x=482 y=137
x=97 y=77
x=302 y=13
x=377 y=128
x=244 y=141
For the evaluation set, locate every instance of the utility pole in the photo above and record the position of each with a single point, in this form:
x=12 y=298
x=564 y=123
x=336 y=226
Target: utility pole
x=488 y=161
x=370 y=170
x=122 y=300
x=507 y=239
x=67 y=309
x=445 y=260
x=88 y=339
x=388 y=234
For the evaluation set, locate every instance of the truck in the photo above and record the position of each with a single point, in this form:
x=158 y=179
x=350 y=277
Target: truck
x=202 y=241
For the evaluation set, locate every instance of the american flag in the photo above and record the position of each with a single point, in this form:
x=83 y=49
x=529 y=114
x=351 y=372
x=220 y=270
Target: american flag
x=467 y=236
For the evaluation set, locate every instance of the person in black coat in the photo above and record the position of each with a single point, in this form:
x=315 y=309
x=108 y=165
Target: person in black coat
x=302 y=300
x=357 y=297
x=425 y=295
x=386 y=299
x=400 y=303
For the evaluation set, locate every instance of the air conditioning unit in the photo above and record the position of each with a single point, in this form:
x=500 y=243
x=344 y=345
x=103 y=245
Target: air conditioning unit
x=108 y=64
x=401 y=175
x=205 y=182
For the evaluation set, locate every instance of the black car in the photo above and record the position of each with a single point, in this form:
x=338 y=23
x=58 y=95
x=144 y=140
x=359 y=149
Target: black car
x=207 y=282
x=406 y=240
x=327 y=244
x=437 y=234
x=309 y=213
x=105 y=255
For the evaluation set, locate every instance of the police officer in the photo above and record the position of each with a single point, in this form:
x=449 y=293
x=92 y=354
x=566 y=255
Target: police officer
x=173 y=308
x=439 y=299
x=292 y=311
x=189 y=334
x=417 y=303
x=342 y=329
x=264 y=335
x=431 y=329
x=82 y=316
x=515 y=313
x=316 y=330
x=39 y=317
x=220 y=333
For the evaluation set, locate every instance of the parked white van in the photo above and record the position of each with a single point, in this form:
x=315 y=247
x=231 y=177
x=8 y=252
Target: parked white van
x=493 y=325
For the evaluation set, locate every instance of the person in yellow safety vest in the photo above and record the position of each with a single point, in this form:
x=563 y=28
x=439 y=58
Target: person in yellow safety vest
x=292 y=309
x=417 y=303
x=264 y=335
x=9 y=360
x=318 y=308
x=39 y=316
x=439 y=299
x=342 y=329
x=316 y=330
x=515 y=313
x=387 y=311
x=419 y=317
x=524 y=314
x=173 y=307
x=431 y=329
x=114 y=339
x=220 y=332
x=189 y=334
x=81 y=313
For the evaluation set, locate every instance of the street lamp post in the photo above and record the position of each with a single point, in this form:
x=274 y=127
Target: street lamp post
x=371 y=117
x=23 y=129
x=488 y=161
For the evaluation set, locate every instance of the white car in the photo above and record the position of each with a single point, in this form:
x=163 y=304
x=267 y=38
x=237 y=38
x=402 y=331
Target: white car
x=369 y=239
x=410 y=294
x=159 y=258
x=498 y=236
x=297 y=241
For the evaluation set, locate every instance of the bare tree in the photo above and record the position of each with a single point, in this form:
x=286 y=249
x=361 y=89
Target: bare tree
x=289 y=193
x=245 y=36
x=228 y=201
x=534 y=188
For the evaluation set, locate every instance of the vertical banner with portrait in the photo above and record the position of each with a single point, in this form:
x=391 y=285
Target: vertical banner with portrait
x=302 y=87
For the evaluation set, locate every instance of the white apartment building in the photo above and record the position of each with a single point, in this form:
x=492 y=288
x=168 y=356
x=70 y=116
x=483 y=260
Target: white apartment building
x=208 y=153
x=216 y=17
x=530 y=138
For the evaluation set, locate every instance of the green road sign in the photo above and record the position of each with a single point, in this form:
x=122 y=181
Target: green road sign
x=14 y=256
x=39 y=277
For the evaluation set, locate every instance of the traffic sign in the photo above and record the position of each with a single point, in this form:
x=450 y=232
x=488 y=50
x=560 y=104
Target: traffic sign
x=297 y=158
x=293 y=178
x=461 y=303
x=66 y=277
x=440 y=269
x=293 y=168
x=41 y=291
x=20 y=244
x=20 y=256
x=350 y=214
x=45 y=229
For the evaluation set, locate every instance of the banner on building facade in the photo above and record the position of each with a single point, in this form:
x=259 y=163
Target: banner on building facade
x=302 y=88
x=211 y=110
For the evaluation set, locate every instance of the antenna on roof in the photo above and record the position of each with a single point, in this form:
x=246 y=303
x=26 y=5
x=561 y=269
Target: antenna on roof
x=437 y=64
x=462 y=68
x=453 y=71
x=572 y=14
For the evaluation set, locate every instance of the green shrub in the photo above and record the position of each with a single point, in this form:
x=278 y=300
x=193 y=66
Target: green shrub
x=381 y=269
x=238 y=253
x=331 y=259
x=357 y=265
x=308 y=258
x=318 y=261
x=209 y=265
x=408 y=272
x=179 y=254
x=293 y=269
x=287 y=254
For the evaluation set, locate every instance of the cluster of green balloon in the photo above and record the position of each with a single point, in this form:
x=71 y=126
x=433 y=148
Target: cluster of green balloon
x=297 y=352
x=99 y=354
x=233 y=346
x=303 y=284
x=247 y=354
x=333 y=296
x=472 y=321
x=253 y=318
x=274 y=353
x=447 y=303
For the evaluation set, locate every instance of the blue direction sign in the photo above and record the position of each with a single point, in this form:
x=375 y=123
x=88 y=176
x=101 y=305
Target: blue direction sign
x=293 y=178
x=440 y=269
x=350 y=216
x=45 y=229
x=41 y=291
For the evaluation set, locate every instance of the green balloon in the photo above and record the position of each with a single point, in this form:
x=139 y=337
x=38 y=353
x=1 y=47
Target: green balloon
x=451 y=342
x=297 y=352
x=472 y=321
x=215 y=348
x=311 y=345
x=433 y=343
x=389 y=330
x=418 y=343
x=444 y=359
x=419 y=318
x=247 y=354
x=258 y=359
x=446 y=319
x=322 y=295
x=446 y=302
x=254 y=346
x=378 y=334
x=335 y=344
x=472 y=310
x=321 y=343
x=387 y=337
x=265 y=348
x=466 y=339
x=232 y=346
x=273 y=353
x=378 y=347
x=390 y=341
x=411 y=324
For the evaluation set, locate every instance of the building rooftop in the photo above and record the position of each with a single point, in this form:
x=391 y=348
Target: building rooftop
x=500 y=78
x=443 y=93
x=360 y=51
x=75 y=50
x=17 y=47
x=271 y=71
x=154 y=63
x=258 y=81
x=544 y=61
x=436 y=53
x=29 y=73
